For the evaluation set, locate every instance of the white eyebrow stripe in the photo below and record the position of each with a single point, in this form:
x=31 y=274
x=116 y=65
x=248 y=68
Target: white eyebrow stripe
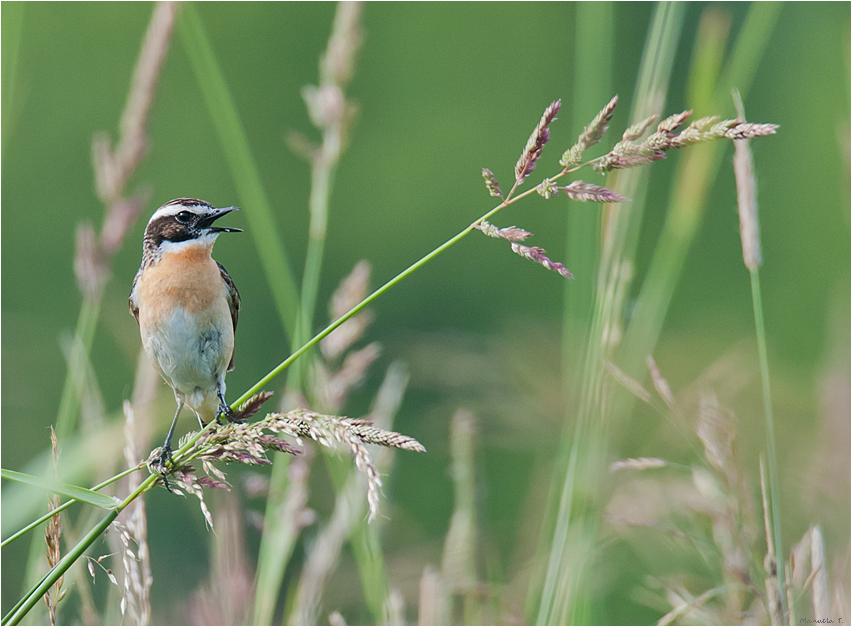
x=171 y=209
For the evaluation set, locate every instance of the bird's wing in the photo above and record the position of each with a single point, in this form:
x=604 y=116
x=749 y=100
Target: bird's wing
x=233 y=302
x=134 y=303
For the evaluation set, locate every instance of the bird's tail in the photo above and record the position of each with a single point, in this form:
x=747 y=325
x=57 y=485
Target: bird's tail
x=208 y=410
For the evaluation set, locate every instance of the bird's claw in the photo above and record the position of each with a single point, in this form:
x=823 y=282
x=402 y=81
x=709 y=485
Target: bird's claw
x=165 y=457
x=225 y=410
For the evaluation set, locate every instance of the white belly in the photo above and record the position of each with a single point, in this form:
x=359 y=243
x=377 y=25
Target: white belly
x=191 y=352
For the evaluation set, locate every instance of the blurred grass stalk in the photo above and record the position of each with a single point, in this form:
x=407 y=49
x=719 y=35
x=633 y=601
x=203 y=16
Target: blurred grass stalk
x=571 y=525
x=331 y=114
x=114 y=167
x=246 y=177
x=457 y=578
x=458 y=565
x=280 y=528
x=348 y=522
x=593 y=34
x=559 y=594
x=78 y=357
x=35 y=594
x=708 y=92
x=329 y=111
x=750 y=236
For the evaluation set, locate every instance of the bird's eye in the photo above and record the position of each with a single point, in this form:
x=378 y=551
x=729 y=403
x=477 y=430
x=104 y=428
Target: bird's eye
x=184 y=217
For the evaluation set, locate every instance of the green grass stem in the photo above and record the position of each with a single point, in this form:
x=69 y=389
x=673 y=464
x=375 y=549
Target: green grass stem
x=28 y=601
x=81 y=347
x=771 y=455
x=276 y=544
x=62 y=507
x=570 y=528
x=84 y=495
x=694 y=174
x=366 y=545
x=593 y=36
x=280 y=536
x=69 y=402
x=322 y=180
x=237 y=152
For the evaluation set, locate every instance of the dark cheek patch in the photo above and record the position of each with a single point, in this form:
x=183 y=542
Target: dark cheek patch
x=176 y=233
x=167 y=228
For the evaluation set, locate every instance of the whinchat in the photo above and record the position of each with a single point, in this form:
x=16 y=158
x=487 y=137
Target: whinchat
x=187 y=308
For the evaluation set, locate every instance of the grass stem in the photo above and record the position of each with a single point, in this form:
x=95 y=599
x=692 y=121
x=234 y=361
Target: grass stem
x=771 y=456
x=235 y=148
x=569 y=532
x=81 y=346
x=64 y=506
x=29 y=600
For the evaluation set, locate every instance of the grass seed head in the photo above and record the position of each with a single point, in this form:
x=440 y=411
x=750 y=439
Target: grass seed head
x=491 y=183
x=511 y=233
x=586 y=192
x=535 y=144
x=534 y=253
x=590 y=136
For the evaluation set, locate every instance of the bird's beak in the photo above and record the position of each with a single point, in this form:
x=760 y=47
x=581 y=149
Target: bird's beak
x=209 y=220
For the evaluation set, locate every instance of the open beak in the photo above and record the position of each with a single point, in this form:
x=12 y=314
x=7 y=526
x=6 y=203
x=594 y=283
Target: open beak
x=209 y=220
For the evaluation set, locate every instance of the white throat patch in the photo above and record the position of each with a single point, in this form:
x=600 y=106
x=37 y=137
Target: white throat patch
x=204 y=240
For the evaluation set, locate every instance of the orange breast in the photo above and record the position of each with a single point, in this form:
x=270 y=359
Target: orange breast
x=189 y=279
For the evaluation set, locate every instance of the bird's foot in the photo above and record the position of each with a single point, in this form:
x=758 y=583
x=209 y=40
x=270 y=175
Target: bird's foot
x=225 y=410
x=160 y=467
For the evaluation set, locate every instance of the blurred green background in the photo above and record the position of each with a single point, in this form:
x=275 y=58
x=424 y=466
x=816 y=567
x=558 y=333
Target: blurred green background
x=443 y=89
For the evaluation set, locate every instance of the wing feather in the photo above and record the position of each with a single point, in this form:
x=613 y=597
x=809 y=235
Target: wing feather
x=132 y=301
x=233 y=301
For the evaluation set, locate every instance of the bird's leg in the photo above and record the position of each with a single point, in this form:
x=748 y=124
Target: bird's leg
x=224 y=408
x=166 y=451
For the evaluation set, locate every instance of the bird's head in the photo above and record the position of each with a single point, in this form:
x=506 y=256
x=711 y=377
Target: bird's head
x=185 y=220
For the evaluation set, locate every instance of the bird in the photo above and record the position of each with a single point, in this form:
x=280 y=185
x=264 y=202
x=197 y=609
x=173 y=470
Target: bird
x=187 y=307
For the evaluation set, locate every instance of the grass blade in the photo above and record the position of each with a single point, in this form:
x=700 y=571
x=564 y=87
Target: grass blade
x=592 y=79
x=695 y=173
x=84 y=495
x=246 y=177
x=570 y=531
